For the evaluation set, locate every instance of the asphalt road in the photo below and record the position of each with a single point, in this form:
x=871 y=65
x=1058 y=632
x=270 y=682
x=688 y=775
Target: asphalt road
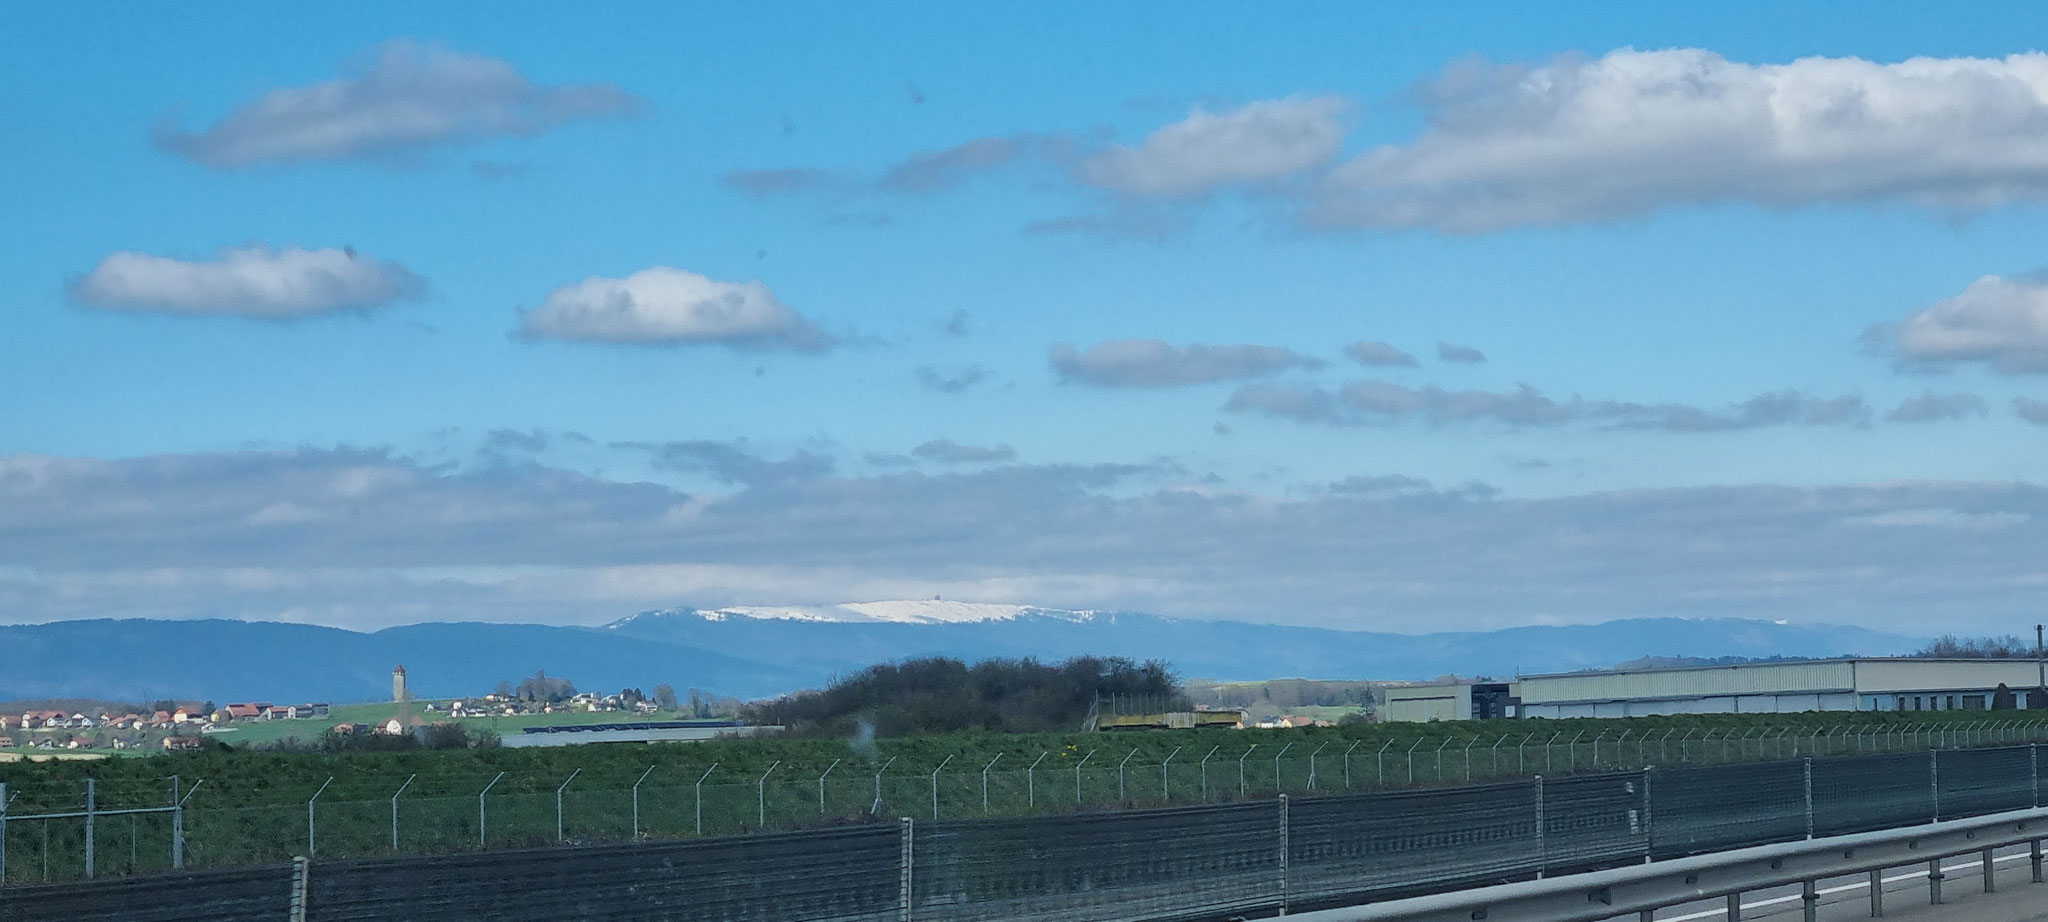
x=2016 y=898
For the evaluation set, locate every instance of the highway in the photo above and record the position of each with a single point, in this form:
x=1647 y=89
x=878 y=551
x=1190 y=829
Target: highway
x=2016 y=899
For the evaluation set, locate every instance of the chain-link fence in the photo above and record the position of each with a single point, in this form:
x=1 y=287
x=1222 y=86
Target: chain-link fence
x=1253 y=857
x=57 y=831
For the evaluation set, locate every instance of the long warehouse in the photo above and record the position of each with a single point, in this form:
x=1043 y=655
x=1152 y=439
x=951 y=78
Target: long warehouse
x=1753 y=688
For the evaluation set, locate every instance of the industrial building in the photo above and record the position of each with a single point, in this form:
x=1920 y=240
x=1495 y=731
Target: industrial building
x=1753 y=688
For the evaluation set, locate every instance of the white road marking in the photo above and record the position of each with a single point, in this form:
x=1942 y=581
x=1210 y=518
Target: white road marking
x=1843 y=888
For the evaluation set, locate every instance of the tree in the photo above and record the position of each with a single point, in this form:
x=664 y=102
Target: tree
x=665 y=696
x=503 y=690
x=700 y=703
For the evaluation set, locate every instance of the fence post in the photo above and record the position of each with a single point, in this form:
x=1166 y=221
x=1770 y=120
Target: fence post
x=1240 y=770
x=1205 y=771
x=904 y=863
x=636 y=800
x=1165 y=787
x=90 y=793
x=3 y=833
x=1440 y=758
x=1542 y=848
x=559 y=837
x=1077 y=774
x=178 y=821
x=1468 y=761
x=1120 y=775
x=1806 y=780
x=877 y=808
x=301 y=874
x=1283 y=854
x=1347 y=763
x=1934 y=782
x=1380 y=760
x=984 y=781
x=1277 y=786
x=1031 y=782
x=481 y=841
x=714 y=767
x=394 y=812
x=1326 y=745
x=935 y=787
x=761 y=792
x=821 y=786
x=312 y=850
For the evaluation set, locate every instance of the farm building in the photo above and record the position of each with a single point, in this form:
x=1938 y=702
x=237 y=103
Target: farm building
x=1752 y=688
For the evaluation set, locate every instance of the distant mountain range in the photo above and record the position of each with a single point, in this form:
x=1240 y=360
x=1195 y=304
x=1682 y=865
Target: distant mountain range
x=755 y=652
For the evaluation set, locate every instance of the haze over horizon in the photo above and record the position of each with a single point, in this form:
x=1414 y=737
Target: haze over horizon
x=1404 y=319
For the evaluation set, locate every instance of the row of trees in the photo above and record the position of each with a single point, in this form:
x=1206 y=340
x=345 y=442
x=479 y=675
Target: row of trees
x=939 y=695
x=1948 y=646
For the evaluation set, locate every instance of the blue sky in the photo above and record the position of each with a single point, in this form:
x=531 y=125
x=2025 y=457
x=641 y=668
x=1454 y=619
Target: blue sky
x=1721 y=260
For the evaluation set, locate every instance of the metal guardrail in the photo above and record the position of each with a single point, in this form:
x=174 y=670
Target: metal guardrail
x=1643 y=889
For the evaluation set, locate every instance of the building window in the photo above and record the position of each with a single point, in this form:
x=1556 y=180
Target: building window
x=1919 y=703
x=1902 y=703
x=1951 y=702
x=1973 y=702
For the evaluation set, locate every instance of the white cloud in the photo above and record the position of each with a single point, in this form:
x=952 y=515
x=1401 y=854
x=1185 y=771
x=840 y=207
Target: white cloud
x=403 y=97
x=1631 y=132
x=1157 y=363
x=665 y=306
x=1996 y=320
x=1254 y=143
x=255 y=281
x=1383 y=402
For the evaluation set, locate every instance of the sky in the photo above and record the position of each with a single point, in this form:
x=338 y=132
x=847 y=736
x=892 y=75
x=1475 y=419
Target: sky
x=1407 y=318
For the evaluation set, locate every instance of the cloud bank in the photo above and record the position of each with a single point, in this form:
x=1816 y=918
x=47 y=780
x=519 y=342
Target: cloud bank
x=1133 y=363
x=401 y=98
x=359 y=538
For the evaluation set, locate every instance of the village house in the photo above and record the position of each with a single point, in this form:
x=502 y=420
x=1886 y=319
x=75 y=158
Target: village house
x=244 y=711
x=179 y=743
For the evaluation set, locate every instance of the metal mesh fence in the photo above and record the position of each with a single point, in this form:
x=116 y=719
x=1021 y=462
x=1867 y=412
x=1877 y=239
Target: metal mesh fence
x=1715 y=807
x=1152 y=864
x=1350 y=846
x=1140 y=863
x=1973 y=782
x=1871 y=792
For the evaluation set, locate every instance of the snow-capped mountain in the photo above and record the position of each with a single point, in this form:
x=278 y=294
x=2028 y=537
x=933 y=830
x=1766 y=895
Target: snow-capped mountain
x=898 y=611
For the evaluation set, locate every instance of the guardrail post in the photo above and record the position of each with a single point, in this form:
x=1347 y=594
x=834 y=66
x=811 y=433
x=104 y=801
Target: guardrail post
x=1990 y=884
x=90 y=794
x=1542 y=850
x=1283 y=854
x=1806 y=781
x=301 y=872
x=1934 y=882
x=1877 y=893
x=904 y=864
x=1809 y=899
x=1734 y=906
x=2034 y=858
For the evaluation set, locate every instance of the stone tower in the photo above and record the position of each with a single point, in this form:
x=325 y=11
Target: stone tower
x=399 y=693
